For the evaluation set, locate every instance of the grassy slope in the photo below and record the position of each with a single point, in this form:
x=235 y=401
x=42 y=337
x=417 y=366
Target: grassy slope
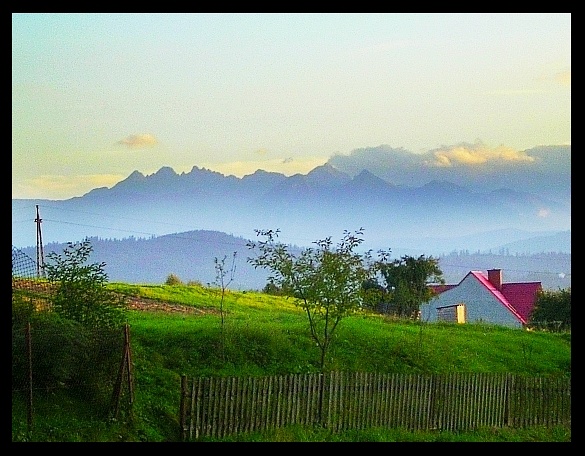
x=265 y=335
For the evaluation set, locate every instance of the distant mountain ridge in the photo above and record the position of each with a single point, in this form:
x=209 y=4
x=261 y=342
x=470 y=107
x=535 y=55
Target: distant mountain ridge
x=190 y=256
x=321 y=203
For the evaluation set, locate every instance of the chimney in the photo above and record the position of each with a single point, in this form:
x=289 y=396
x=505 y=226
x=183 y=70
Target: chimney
x=495 y=278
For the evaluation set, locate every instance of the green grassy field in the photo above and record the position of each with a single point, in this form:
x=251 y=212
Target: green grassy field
x=267 y=335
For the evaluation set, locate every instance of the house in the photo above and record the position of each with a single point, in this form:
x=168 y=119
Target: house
x=481 y=298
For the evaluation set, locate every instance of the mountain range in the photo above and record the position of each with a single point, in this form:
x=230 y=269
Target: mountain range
x=435 y=218
x=149 y=226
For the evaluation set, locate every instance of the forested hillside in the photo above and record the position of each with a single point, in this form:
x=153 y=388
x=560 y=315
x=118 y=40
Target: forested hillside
x=190 y=256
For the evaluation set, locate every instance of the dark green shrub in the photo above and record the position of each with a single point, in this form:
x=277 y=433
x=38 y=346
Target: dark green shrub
x=552 y=310
x=173 y=279
x=80 y=289
x=68 y=355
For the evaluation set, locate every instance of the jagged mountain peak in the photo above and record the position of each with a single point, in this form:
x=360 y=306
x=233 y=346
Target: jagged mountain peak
x=165 y=171
x=263 y=179
x=262 y=172
x=196 y=171
x=327 y=174
x=366 y=177
x=135 y=175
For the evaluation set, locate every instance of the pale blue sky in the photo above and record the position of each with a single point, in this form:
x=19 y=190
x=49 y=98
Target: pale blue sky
x=97 y=96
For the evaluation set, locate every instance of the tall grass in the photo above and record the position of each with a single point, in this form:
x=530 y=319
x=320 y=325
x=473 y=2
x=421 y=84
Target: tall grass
x=268 y=335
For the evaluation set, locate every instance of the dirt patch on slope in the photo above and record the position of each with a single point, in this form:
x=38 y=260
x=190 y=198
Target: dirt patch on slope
x=153 y=305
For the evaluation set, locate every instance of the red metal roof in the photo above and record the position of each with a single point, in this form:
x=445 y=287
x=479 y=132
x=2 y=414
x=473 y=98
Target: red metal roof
x=522 y=296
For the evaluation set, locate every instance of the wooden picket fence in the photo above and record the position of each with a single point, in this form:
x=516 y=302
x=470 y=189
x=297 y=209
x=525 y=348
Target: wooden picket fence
x=220 y=406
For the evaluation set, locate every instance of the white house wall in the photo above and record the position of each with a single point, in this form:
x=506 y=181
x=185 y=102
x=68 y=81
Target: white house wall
x=480 y=304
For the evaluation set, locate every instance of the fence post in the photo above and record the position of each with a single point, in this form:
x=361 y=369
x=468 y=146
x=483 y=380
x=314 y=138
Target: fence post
x=508 y=421
x=322 y=422
x=130 y=374
x=29 y=415
x=183 y=408
x=125 y=368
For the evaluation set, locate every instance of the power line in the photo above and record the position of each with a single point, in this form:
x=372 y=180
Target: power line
x=180 y=236
x=148 y=221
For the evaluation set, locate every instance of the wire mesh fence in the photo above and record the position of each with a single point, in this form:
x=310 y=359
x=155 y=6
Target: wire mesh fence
x=56 y=361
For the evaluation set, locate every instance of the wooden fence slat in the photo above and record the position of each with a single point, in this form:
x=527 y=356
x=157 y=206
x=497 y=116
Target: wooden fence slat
x=478 y=417
x=234 y=406
x=365 y=402
x=392 y=401
x=292 y=398
x=355 y=402
x=376 y=409
x=262 y=395
x=439 y=404
x=419 y=401
x=416 y=404
x=387 y=400
x=248 y=408
x=457 y=401
x=443 y=405
x=302 y=410
x=331 y=398
x=229 y=413
x=448 y=402
x=361 y=382
x=221 y=405
x=399 y=398
x=459 y=417
x=451 y=401
x=500 y=420
x=426 y=402
x=192 y=417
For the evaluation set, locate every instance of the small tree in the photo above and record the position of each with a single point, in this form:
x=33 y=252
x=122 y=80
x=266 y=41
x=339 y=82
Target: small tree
x=81 y=294
x=223 y=278
x=406 y=283
x=173 y=279
x=82 y=329
x=552 y=309
x=326 y=281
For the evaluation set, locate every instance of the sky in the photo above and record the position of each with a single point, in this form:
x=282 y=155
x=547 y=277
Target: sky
x=96 y=96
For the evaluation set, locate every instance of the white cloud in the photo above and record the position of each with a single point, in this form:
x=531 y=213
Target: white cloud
x=477 y=154
x=141 y=140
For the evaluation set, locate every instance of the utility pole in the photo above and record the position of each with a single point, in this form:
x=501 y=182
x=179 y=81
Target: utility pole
x=40 y=253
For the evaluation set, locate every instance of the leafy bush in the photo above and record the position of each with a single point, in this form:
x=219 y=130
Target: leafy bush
x=273 y=289
x=81 y=294
x=552 y=310
x=22 y=309
x=173 y=279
